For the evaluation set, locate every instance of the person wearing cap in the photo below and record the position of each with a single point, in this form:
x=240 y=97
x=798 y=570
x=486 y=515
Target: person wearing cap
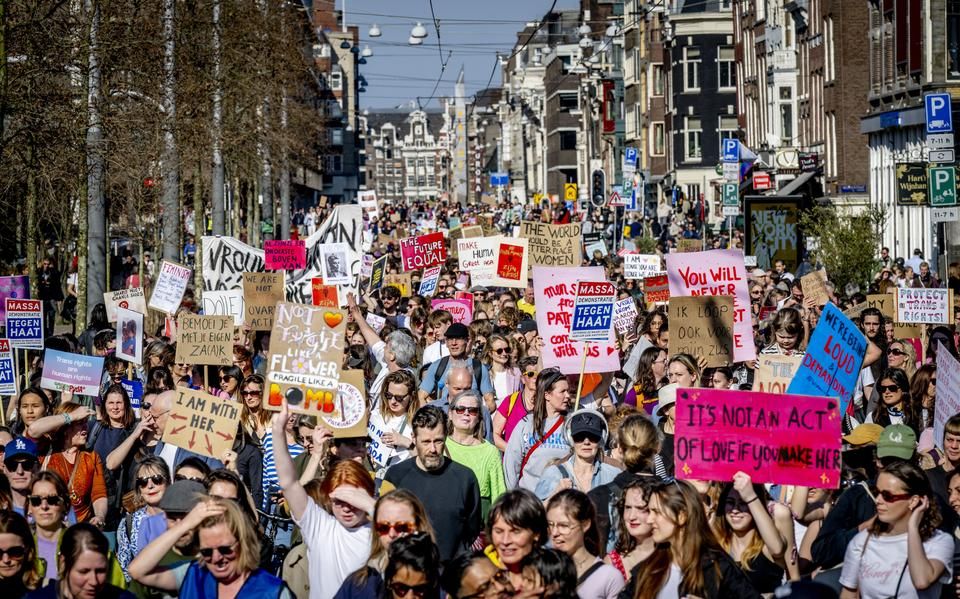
x=19 y=466
x=457 y=338
x=528 y=326
x=584 y=468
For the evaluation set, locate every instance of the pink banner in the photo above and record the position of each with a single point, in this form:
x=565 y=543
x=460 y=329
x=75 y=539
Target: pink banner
x=423 y=251
x=717 y=272
x=285 y=254
x=554 y=291
x=460 y=309
x=773 y=437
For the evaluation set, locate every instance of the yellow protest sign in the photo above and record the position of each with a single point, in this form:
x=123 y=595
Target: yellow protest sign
x=202 y=423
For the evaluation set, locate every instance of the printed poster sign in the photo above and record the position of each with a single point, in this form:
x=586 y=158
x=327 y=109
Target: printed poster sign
x=8 y=374
x=428 y=284
x=131 y=299
x=773 y=230
x=134 y=391
x=641 y=266
x=512 y=264
x=16 y=287
x=656 y=289
x=375 y=321
x=225 y=303
x=593 y=311
x=335 y=263
x=778 y=439
x=202 y=423
x=171 y=283
x=261 y=293
x=832 y=363
x=924 y=305
x=377 y=272
x=555 y=290
x=76 y=373
x=347 y=415
x=948 y=392
x=306 y=355
x=130 y=336
x=24 y=322
x=553 y=245
x=423 y=251
x=625 y=315
x=324 y=296
x=461 y=310
x=205 y=340
x=285 y=254
x=702 y=326
x=717 y=272
x=774 y=372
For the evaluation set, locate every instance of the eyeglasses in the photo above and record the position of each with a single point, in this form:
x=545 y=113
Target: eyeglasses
x=500 y=350
x=530 y=373
x=561 y=527
x=461 y=410
x=581 y=437
x=27 y=464
x=889 y=497
x=896 y=352
x=888 y=388
x=51 y=500
x=156 y=479
x=15 y=552
x=226 y=551
x=254 y=393
x=402 y=590
x=401 y=528
x=392 y=397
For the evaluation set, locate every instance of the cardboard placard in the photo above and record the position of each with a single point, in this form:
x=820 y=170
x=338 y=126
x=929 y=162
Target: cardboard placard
x=402 y=282
x=814 y=287
x=24 y=323
x=225 y=303
x=205 y=340
x=306 y=355
x=171 y=283
x=656 y=289
x=285 y=254
x=702 y=326
x=202 y=423
x=261 y=293
x=887 y=304
x=8 y=375
x=460 y=309
x=129 y=336
x=553 y=245
x=423 y=251
x=641 y=266
x=472 y=231
x=324 y=296
x=775 y=438
x=131 y=299
x=625 y=315
x=76 y=373
x=924 y=305
x=688 y=245
x=774 y=372
x=16 y=287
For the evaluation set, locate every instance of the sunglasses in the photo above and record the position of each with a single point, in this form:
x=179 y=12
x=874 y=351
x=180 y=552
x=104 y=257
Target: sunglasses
x=500 y=351
x=180 y=477
x=402 y=590
x=51 y=500
x=15 y=552
x=156 y=479
x=391 y=396
x=401 y=528
x=226 y=551
x=889 y=497
x=530 y=373
x=256 y=393
x=461 y=410
x=28 y=464
x=581 y=437
x=897 y=352
x=888 y=388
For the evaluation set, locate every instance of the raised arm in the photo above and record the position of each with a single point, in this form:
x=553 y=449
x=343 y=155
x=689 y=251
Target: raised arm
x=771 y=536
x=49 y=424
x=293 y=491
x=369 y=335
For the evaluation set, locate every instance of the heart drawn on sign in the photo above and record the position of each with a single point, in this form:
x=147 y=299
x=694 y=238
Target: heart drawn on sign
x=123 y=304
x=332 y=319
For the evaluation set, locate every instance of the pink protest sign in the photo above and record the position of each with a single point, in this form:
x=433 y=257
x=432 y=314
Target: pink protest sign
x=423 y=251
x=773 y=437
x=555 y=292
x=285 y=254
x=716 y=272
x=460 y=309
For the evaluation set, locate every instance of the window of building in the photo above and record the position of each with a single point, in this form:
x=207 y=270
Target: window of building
x=726 y=68
x=568 y=101
x=786 y=122
x=658 y=141
x=953 y=39
x=692 y=135
x=691 y=69
x=336 y=80
x=336 y=137
x=727 y=127
x=568 y=140
x=657 y=79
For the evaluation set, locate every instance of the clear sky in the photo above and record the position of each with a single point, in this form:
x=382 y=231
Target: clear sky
x=471 y=33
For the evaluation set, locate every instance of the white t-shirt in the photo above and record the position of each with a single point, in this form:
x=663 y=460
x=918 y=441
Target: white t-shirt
x=434 y=352
x=671 y=590
x=333 y=552
x=876 y=572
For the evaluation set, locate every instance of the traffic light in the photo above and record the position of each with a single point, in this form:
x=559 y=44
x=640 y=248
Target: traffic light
x=598 y=192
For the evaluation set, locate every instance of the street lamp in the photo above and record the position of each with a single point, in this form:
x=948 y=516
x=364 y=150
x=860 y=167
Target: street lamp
x=367 y=52
x=375 y=31
x=418 y=31
x=584 y=29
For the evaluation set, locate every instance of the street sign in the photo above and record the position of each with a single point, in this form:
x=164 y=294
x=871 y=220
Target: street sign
x=731 y=149
x=761 y=181
x=940 y=141
x=943 y=186
x=497 y=179
x=731 y=172
x=615 y=199
x=944 y=156
x=731 y=210
x=945 y=215
x=731 y=195
x=630 y=156
x=938 y=112
x=570 y=192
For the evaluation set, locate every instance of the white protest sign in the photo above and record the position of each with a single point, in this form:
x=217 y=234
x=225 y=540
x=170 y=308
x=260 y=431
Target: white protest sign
x=641 y=266
x=924 y=305
x=131 y=299
x=948 y=392
x=224 y=303
x=478 y=256
x=624 y=315
x=168 y=292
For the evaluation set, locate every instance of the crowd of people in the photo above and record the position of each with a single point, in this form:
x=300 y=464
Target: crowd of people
x=483 y=473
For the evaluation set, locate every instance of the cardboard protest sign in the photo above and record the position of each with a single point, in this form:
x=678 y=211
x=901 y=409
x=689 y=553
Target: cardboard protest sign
x=402 y=282
x=512 y=263
x=324 y=296
x=832 y=363
x=774 y=372
x=225 y=303
x=887 y=304
x=461 y=310
x=593 y=311
x=171 y=283
x=76 y=373
x=17 y=287
x=346 y=415
x=205 y=340
x=8 y=374
x=717 y=272
x=24 y=322
x=924 y=305
x=656 y=289
x=472 y=231
x=306 y=354
x=375 y=321
x=554 y=291
x=553 y=245
x=428 y=284
x=948 y=392
x=423 y=251
x=702 y=326
x=130 y=336
x=261 y=292
x=641 y=266
x=202 y=423
x=285 y=254
x=779 y=439
x=335 y=269
x=131 y=299
x=625 y=315
x=377 y=272
x=814 y=286
x=685 y=246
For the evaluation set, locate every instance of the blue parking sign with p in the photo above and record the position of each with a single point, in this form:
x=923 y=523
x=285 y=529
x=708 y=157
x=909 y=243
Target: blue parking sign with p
x=938 y=112
x=630 y=155
x=731 y=149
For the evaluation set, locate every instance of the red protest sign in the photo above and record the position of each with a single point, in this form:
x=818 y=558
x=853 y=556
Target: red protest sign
x=423 y=251
x=656 y=289
x=324 y=295
x=285 y=254
x=773 y=437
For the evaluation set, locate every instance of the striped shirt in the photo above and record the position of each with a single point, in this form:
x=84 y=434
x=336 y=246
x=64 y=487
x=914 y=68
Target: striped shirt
x=270 y=483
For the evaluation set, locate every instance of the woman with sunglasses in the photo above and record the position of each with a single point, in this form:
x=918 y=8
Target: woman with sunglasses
x=517 y=405
x=517 y=525
x=539 y=438
x=231 y=380
x=255 y=420
x=901 y=354
x=47 y=507
x=901 y=554
x=228 y=557
x=389 y=423
x=85 y=566
x=572 y=522
x=138 y=529
x=467 y=445
x=397 y=514
x=583 y=468
x=895 y=406
x=19 y=569
x=634 y=542
x=413 y=568
x=498 y=356
x=687 y=560
x=81 y=468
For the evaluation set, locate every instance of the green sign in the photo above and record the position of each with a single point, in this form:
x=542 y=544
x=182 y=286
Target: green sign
x=731 y=194
x=943 y=186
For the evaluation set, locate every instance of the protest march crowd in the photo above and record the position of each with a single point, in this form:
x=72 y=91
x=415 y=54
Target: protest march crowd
x=491 y=402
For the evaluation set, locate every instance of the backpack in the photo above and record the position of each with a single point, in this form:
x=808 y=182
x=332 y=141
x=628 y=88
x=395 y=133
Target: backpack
x=605 y=498
x=442 y=368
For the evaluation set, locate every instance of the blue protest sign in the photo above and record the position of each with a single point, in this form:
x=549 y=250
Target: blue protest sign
x=134 y=390
x=593 y=311
x=834 y=356
x=8 y=375
x=24 y=321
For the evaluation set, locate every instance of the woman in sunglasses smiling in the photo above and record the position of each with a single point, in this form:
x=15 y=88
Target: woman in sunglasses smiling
x=467 y=446
x=894 y=406
x=18 y=556
x=901 y=554
x=583 y=468
x=504 y=376
x=48 y=505
x=147 y=523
